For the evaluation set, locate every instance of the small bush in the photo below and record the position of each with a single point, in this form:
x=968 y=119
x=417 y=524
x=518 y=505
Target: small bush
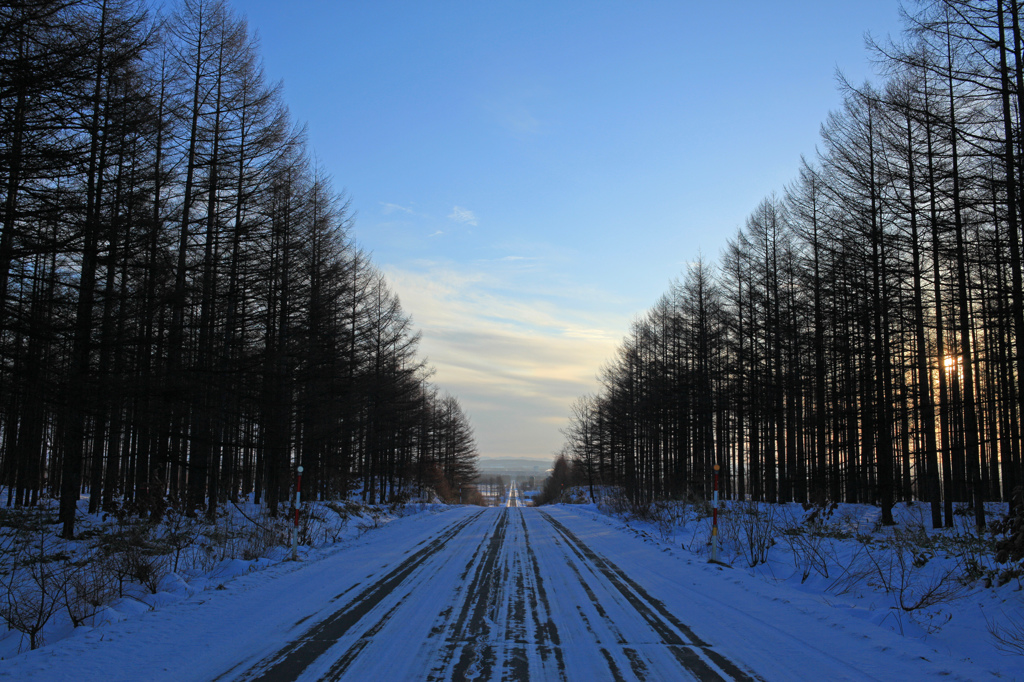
x=1007 y=633
x=133 y=553
x=810 y=541
x=34 y=575
x=756 y=530
x=89 y=587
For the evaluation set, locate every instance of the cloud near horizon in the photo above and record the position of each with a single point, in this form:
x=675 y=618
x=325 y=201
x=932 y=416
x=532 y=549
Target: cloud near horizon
x=516 y=360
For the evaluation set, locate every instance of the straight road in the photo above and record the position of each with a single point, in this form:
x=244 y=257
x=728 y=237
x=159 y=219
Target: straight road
x=514 y=498
x=505 y=593
x=509 y=593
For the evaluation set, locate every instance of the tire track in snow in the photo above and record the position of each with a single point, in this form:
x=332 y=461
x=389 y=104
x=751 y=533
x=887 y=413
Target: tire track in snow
x=502 y=627
x=635 y=662
x=694 y=654
x=479 y=599
x=471 y=634
x=290 y=662
x=497 y=618
x=546 y=637
x=517 y=662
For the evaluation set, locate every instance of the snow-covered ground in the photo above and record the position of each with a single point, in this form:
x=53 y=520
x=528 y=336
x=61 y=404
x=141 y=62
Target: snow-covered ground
x=564 y=592
x=941 y=589
x=121 y=566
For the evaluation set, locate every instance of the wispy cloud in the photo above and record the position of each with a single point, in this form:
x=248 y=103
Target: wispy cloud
x=438 y=233
x=463 y=215
x=520 y=121
x=389 y=208
x=516 y=111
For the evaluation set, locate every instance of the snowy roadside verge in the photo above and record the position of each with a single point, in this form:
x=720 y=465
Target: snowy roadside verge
x=120 y=567
x=936 y=588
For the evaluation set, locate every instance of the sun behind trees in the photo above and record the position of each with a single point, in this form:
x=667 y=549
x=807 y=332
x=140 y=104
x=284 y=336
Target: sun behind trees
x=185 y=313
x=862 y=338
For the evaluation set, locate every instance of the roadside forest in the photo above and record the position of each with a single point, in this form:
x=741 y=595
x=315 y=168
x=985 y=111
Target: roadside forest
x=861 y=338
x=186 y=316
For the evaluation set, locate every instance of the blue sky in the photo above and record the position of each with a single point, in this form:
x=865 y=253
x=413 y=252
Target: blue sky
x=532 y=175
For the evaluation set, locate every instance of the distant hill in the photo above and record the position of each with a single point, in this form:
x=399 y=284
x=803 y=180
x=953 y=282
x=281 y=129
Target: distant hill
x=530 y=472
x=504 y=464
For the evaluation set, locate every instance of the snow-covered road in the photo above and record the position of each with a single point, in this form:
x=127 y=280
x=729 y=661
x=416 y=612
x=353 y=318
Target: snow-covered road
x=513 y=497
x=506 y=593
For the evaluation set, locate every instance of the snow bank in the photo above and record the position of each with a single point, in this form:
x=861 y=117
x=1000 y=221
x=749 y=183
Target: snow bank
x=940 y=587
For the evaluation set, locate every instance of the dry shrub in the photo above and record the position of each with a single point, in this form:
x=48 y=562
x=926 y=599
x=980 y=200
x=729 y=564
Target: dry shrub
x=756 y=530
x=1007 y=634
x=33 y=576
x=810 y=540
x=90 y=586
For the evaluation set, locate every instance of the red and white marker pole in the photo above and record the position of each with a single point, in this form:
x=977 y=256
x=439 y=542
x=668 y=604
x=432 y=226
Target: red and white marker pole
x=714 y=520
x=298 y=502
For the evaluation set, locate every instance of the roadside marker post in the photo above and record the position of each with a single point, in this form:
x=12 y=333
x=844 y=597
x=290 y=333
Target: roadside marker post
x=298 y=503
x=714 y=521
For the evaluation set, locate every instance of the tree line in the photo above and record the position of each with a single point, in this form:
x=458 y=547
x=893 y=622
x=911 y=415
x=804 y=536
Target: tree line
x=185 y=314
x=861 y=338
